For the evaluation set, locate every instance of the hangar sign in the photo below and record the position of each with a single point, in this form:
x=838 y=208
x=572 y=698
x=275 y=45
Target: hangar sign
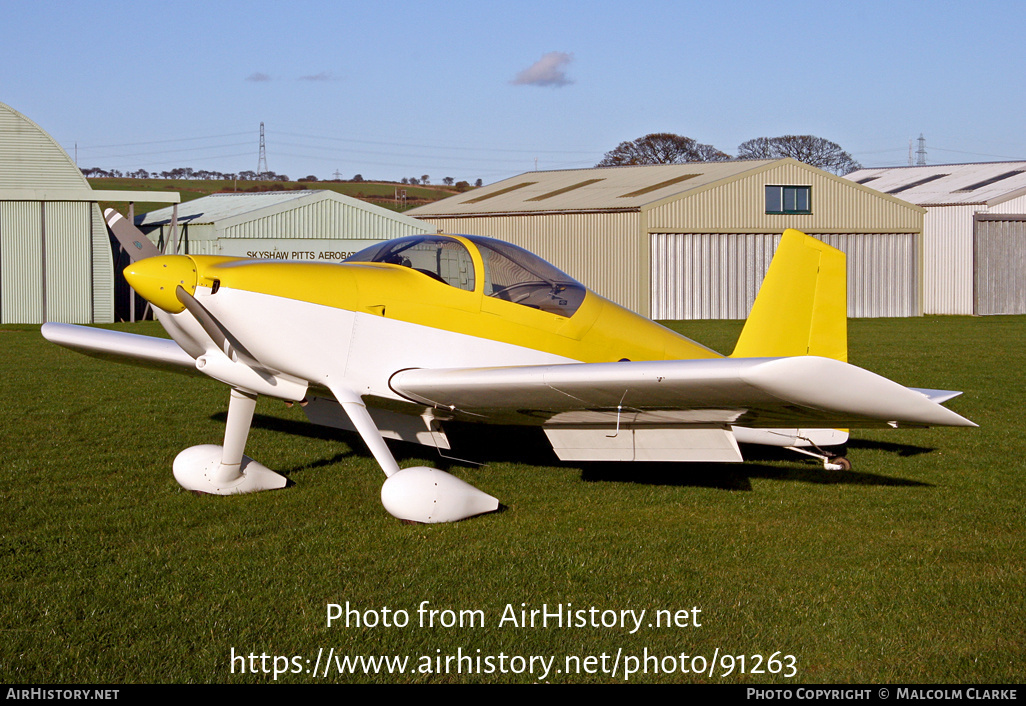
x=293 y=250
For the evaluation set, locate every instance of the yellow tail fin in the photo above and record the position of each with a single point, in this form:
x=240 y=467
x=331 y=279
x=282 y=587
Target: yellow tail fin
x=802 y=306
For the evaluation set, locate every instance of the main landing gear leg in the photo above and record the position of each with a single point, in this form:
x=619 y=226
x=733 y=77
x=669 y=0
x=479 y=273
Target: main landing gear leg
x=226 y=470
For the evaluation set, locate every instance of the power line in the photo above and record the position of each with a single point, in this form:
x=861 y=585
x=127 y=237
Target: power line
x=532 y=151
x=158 y=142
x=134 y=155
x=409 y=155
x=979 y=154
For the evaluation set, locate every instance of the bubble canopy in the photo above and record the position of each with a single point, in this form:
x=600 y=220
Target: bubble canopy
x=510 y=272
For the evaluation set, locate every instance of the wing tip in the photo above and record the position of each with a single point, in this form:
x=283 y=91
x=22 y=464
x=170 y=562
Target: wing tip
x=839 y=387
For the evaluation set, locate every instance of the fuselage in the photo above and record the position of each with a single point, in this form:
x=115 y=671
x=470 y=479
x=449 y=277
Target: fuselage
x=366 y=320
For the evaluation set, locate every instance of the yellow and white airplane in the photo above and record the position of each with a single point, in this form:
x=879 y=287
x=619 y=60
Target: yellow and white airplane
x=411 y=334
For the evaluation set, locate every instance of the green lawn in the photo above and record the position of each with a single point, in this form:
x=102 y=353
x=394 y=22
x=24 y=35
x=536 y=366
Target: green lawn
x=911 y=567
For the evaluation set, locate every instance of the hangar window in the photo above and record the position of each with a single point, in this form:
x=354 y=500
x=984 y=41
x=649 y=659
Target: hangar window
x=788 y=199
x=516 y=275
x=440 y=258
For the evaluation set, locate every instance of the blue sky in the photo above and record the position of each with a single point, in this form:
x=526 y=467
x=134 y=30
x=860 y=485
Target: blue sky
x=491 y=89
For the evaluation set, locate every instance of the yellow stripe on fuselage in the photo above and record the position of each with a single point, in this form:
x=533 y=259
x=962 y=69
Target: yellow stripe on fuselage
x=600 y=331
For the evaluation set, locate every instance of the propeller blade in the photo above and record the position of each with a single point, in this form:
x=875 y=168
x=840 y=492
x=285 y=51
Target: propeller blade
x=220 y=335
x=137 y=245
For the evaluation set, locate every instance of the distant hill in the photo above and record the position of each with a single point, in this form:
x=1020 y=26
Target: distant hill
x=379 y=193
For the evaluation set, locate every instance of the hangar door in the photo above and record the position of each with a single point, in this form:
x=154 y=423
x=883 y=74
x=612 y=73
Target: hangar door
x=45 y=252
x=717 y=275
x=999 y=275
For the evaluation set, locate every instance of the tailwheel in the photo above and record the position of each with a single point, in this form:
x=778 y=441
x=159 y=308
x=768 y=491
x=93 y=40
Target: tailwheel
x=831 y=462
x=837 y=463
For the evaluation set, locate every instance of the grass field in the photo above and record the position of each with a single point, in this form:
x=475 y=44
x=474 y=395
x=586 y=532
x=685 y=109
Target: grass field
x=911 y=567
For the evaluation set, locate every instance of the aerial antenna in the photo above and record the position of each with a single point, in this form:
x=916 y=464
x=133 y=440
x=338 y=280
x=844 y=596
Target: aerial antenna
x=921 y=152
x=910 y=153
x=262 y=159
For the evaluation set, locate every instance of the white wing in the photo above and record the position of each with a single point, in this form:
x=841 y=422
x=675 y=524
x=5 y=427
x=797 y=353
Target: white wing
x=145 y=351
x=804 y=391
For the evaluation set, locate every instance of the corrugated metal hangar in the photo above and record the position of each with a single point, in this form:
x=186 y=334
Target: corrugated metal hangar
x=55 y=257
x=279 y=225
x=974 y=252
x=693 y=241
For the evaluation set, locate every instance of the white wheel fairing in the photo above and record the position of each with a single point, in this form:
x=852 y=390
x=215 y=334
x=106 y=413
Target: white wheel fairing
x=428 y=495
x=198 y=468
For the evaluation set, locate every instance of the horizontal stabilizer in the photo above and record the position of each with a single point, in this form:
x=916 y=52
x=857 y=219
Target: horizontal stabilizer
x=145 y=351
x=938 y=396
x=801 y=438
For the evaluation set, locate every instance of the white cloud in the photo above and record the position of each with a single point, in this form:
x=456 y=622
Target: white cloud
x=258 y=77
x=550 y=70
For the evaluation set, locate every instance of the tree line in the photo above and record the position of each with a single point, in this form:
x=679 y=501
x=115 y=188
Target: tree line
x=187 y=173
x=209 y=175
x=668 y=148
